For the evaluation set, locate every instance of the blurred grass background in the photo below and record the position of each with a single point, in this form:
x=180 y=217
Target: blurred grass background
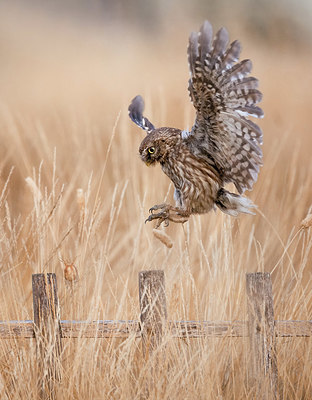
x=68 y=70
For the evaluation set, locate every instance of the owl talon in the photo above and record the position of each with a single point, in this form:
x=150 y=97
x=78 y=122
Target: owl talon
x=158 y=207
x=161 y=215
x=167 y=213
x=149 y=219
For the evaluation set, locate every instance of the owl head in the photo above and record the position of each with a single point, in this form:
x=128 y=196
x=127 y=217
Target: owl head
x=154 y=147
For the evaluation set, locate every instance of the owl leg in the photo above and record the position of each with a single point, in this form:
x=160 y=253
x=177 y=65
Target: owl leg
x=167 y=213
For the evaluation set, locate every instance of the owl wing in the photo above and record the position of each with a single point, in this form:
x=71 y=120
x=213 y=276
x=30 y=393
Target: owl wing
x=135 y=110
x=223 y=95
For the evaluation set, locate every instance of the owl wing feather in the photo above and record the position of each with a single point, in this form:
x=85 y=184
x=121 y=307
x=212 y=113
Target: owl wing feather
x=135 y=110
x=224 y=95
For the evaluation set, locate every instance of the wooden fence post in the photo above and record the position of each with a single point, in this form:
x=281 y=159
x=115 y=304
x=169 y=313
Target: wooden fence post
x=153 y=308
x=47 y=333
x=263 y=366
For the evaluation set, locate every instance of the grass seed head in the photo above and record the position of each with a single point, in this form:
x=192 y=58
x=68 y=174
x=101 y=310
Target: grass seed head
x=163 y=237
x=70 y=272
x=80 y=200
x=307 y=222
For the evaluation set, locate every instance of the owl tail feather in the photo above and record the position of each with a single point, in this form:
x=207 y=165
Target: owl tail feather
x=233 y=204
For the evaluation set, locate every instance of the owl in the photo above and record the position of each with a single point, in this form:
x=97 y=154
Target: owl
x=223 y=145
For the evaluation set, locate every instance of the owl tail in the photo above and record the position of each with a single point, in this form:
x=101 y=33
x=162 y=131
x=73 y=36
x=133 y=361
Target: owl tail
x=233 y=204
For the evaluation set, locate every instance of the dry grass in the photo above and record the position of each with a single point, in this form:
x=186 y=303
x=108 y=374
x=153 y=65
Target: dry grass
x=64 y=127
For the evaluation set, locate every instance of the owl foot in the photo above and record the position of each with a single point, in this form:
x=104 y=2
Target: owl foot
x=167 y=213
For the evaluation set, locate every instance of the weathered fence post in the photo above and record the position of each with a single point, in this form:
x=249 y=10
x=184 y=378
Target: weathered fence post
x=47 y=333
x=153 y=308
x=263 y=366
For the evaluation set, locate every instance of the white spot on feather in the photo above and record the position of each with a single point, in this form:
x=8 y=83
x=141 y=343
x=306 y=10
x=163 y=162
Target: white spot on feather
x=243 y=113
x=185 y=134
x=253 y=174
x=245 y=164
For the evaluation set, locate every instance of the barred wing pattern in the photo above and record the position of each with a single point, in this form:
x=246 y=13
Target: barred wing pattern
x=223 y=95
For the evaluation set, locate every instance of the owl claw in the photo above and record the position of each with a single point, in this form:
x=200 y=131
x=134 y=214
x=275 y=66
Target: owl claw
x=158 y=207
x=167 y=213
x=161 y=216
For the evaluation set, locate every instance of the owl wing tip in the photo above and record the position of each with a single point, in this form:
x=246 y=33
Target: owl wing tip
x=135 y=111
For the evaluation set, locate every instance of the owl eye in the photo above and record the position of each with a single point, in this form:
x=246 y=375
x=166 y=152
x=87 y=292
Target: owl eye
x=151 y=150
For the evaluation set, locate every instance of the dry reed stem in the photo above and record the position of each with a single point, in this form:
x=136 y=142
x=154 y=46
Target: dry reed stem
x=34 y=189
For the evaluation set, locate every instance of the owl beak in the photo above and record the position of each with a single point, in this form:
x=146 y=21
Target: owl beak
x=148 y=163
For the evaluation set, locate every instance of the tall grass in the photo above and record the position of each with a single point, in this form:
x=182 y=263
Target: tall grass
x=64 y=127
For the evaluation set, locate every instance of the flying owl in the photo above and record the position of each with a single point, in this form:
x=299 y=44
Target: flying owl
x=223 y=145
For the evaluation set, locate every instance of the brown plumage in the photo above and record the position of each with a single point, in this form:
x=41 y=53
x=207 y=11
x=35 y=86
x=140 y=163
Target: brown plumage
x=223 y=145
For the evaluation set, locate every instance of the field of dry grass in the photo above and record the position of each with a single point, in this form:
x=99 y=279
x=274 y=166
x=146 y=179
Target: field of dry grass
x=64 y=126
